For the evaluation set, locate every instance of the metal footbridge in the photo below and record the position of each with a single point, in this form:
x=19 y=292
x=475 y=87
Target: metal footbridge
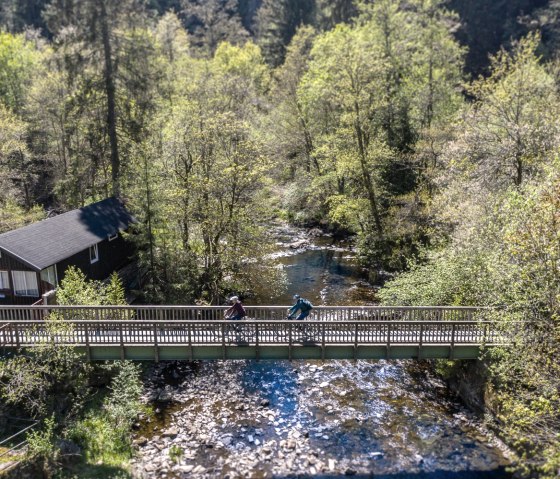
x=157 y=333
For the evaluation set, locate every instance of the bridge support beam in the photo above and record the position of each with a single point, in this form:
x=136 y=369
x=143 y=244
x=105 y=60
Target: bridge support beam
x=164 y=352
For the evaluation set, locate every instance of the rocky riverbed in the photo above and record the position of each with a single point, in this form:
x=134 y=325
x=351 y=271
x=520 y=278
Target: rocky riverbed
x=310 y=419
x=280 y=419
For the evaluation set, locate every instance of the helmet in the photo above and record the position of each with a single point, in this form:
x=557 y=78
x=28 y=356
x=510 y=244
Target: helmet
x=233 y=299
x=297 y=296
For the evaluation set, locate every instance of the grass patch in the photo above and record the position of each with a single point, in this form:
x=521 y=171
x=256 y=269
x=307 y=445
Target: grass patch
x=93 y=471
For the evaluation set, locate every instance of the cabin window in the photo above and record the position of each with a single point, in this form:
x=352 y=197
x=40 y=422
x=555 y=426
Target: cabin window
x=49 y=276
x=93 y=254
x=4 y=280
x=114 y=237
x=25 y=283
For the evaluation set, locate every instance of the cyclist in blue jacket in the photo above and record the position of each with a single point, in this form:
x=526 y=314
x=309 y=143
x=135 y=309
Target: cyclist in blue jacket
x=302 y=305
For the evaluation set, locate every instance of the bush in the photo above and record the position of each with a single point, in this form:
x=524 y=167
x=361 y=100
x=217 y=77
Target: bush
x=42 y=447
x=104 y=434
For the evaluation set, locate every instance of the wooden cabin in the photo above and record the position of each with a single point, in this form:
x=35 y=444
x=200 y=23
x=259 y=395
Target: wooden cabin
x=33 y=259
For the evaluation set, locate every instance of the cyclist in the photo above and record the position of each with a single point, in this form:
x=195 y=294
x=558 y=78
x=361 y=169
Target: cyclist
x=302 y=305
x=237 y=311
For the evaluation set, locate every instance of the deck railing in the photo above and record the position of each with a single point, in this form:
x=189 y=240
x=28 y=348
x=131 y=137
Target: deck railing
x=89 y=333
x=260 y=313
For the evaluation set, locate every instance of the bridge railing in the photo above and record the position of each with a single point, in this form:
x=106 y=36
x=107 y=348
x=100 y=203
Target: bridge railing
x=260 y=313
x=219 y=332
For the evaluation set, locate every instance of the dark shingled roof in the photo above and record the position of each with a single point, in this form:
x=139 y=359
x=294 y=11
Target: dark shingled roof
x=47 y=242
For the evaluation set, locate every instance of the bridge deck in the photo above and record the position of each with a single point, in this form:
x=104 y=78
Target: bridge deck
x=147 y=333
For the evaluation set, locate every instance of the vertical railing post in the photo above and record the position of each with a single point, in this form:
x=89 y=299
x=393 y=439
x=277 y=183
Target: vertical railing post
x=452 y=349
x=290 y=340
x=156 y=347
x=121 y=340
x=223 y=329
x=17 y=335
x=322 y=341
x=421 y=341
x=257 y=340
x=355 y=351
x=388 y=340
x=189 y=333
x=86 y=333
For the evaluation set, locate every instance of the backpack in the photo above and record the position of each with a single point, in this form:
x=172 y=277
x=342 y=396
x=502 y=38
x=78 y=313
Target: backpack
x=305 y=305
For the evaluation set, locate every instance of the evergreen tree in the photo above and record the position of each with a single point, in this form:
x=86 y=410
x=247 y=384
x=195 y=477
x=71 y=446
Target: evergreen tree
x=213 y=21
x=276 y=23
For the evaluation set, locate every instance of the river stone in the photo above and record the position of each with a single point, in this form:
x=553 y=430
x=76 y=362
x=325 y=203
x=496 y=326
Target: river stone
x=165 y=396
x=265 y=402
x=323 y=384
x=141 y=441
x=350 y=472
x=185 y=469
x=171 y=432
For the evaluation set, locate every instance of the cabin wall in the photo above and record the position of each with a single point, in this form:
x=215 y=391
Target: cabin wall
x=113 y=255
x=9 y=263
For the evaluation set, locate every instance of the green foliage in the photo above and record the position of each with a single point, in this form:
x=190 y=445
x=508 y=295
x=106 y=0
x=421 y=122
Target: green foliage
x=175 y=453
x=367 y=95
x=510 y=130
x=276 y=23
x=50 y=379
x=18 y=60
x=42 y=447
x=104 y=433
x=201 y=192
x=507 y=258
x=13 y=216
x=76 y=289
x=114 y=291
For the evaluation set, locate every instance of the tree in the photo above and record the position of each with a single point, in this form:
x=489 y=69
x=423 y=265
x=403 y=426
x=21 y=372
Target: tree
x=509 y=130
x=19 y=59
x=276 y=23
x=287 y=128
x=108 y=32
x=329 y=13
x=201 y=181
x=212 y=22
x=19 y=173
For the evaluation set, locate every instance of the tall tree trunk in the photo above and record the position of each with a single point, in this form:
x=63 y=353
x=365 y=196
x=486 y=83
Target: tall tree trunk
x=110 y=91
x=366 y=175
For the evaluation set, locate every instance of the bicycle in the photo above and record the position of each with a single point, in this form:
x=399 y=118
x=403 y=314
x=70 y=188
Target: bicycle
x=239 y=333
x=307 y=333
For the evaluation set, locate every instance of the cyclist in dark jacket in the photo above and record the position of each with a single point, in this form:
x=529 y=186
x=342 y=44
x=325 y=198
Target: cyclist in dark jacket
x=302 y=305
x=237 y=311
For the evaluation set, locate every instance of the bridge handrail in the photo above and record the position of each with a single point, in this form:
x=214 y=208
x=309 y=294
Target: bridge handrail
x=191 y=333
x=249 y=307
x=167 y=313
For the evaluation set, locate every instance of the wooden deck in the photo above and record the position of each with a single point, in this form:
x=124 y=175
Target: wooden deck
x=155 y=333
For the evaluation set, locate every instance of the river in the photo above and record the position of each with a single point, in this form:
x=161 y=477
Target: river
x=390 y=419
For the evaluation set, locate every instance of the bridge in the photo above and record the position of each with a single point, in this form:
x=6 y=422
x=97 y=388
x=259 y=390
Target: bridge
x=157 y=333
